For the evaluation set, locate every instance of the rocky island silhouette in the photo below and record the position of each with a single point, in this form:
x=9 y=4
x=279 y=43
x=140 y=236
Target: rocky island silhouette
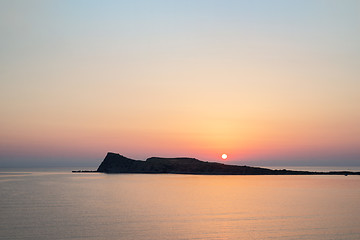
x=116 y=163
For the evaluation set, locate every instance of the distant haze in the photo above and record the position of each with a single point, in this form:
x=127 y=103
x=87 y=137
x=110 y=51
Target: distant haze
x=266 y=82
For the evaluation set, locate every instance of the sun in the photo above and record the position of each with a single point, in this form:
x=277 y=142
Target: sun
x=224 y=156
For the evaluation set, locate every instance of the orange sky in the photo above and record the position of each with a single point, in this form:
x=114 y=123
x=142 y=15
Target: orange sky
x=266 y=84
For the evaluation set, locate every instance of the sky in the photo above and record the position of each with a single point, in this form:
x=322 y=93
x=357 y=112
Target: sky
x=266 y=82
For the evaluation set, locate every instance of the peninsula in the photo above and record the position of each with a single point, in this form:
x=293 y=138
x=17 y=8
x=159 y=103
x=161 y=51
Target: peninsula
x=116 y=163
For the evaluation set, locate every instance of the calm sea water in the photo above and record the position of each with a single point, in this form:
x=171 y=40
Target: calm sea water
x=64 y=205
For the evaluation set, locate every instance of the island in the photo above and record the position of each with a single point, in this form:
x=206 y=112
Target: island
x=116 y=163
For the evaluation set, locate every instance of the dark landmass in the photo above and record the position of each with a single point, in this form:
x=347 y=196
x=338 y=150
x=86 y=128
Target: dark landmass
x=116 y=163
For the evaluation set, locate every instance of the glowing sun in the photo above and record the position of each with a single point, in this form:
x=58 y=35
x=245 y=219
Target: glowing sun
x=224 y=156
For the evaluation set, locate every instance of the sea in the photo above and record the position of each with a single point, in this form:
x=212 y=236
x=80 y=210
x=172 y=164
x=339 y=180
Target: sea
x=58 y=204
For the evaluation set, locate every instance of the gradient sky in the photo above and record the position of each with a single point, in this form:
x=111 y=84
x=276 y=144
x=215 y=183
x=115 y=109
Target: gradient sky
x=267 y=82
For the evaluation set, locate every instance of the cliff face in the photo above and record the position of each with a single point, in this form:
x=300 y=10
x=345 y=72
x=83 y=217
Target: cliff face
x=116 y=163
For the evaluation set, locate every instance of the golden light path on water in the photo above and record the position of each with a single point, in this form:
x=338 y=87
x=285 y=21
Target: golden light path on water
x=96 y=206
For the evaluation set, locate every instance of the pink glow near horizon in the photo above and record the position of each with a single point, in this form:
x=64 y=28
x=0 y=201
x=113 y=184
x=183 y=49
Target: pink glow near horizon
x=244 y=79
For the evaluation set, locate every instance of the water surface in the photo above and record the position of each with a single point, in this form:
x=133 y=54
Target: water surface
x=65 y=205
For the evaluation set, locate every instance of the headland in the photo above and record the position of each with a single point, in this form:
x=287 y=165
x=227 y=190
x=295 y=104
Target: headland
x=116 y=163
